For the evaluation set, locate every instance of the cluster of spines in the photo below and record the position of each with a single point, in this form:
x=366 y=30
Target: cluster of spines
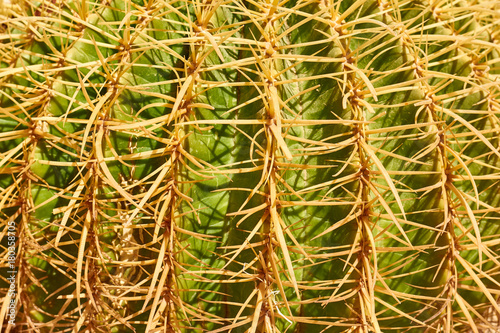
x=375 y=184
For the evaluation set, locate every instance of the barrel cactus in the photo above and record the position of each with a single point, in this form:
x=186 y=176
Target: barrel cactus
x=250 y=166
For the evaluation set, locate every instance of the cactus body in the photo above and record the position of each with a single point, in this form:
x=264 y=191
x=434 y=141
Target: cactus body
x=251 y=166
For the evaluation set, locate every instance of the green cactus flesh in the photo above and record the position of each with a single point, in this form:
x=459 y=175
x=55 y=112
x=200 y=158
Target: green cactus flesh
x=250 y=166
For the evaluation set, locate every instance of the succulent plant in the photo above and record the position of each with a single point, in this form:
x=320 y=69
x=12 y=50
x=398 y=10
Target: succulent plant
x=250 y=166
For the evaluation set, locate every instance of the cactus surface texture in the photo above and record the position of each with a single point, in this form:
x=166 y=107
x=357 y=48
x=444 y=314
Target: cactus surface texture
x=249 y=166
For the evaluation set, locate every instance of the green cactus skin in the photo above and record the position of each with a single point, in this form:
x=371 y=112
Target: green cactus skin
x=251 y=166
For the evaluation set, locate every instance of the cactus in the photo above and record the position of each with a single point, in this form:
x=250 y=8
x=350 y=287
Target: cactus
x=250 y=166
